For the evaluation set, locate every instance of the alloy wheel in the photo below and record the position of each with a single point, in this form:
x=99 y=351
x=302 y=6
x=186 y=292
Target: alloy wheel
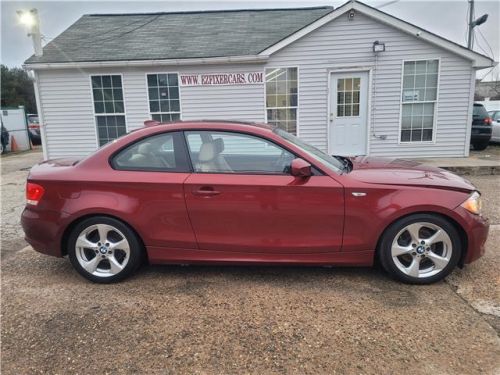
x=421 y=249
x=102 y=250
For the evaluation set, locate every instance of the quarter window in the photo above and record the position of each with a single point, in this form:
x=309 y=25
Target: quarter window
x=419 y=100
x=282 y=98
x=164 y=101
x=163 y=152
x=225 y=152
x=109 y=107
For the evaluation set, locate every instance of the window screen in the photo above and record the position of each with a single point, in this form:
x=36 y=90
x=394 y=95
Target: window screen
x=282 y=98
x=109 y=107
x=419 y=100
x=164 y=100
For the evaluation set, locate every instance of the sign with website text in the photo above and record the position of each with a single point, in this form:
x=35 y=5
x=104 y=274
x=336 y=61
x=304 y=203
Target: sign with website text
x=216 y=79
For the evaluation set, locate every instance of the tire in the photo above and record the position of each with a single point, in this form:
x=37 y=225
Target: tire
x=480 y=146
x=104 y=250
x=434 y=255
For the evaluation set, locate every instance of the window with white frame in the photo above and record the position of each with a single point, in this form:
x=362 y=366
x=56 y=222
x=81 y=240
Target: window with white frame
x=282 y=98
x=419 y=100
x=109 y=108
x=164 y=102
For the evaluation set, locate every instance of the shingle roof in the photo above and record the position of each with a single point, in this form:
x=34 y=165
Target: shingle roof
x=177 y=35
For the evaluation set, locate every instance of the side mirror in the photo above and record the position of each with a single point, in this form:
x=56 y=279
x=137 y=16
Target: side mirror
x=300 y=168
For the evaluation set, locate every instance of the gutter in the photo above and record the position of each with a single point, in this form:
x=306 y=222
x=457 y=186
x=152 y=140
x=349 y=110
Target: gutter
x=172 y=62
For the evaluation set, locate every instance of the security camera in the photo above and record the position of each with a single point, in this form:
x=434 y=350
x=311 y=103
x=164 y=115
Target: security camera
x=350 y=15
x=419 y=33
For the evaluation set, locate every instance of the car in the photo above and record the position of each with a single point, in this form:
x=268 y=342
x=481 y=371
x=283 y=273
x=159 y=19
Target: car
x=34 y=129
x=481 y=128
x=215 y=192
x=495 y=125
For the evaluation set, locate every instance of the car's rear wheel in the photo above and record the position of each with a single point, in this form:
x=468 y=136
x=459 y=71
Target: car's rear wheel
x=104 y=250
x=420 y=249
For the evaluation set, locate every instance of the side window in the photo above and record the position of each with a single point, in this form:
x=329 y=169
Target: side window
x=164 y=152
x=225 y=152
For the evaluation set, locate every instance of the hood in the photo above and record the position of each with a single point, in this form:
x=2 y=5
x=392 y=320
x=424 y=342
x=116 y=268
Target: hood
x=405 y=172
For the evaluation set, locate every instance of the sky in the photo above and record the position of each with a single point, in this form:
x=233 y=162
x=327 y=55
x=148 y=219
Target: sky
x=446 y=18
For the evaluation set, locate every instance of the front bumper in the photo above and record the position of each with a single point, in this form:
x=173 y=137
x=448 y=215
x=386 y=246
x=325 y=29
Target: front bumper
x=476 y=228
x=43 y=230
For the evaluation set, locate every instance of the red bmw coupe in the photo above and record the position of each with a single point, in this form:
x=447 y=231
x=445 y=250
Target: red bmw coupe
x=235 y=193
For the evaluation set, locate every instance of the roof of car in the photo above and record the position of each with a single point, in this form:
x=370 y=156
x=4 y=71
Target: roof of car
x=194 y=123
x=175 y=35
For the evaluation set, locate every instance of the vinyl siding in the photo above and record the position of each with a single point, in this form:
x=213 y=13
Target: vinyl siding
x=343 y=43
x=67 y=107
x=67 y=104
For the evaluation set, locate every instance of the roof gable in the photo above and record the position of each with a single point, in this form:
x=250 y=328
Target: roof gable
x=177 y=35
x=478 y=60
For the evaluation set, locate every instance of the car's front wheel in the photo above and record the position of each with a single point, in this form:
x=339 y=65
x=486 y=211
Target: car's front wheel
x=420 y=249
x=104 y=250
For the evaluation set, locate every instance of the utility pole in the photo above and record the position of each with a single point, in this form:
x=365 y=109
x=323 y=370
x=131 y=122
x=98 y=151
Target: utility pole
x=473 y=23
x=470 y=38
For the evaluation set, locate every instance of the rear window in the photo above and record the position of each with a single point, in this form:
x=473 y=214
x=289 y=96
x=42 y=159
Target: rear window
x=479 y=111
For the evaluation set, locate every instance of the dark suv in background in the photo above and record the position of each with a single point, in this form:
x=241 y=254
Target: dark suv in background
x=481 y=127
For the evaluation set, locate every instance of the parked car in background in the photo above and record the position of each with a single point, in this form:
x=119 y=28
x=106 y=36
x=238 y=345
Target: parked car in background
x=34 y=129
x=236 y=193
x=481 y=127
x=495 y=125
x=4 y=139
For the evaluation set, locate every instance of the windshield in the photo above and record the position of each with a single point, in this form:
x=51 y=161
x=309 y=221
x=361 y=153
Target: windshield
x=333 y=163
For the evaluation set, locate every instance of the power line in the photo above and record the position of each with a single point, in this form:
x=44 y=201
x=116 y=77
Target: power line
x=92 y=42
x=488 y=44
x=129 y=31
x=386 y=4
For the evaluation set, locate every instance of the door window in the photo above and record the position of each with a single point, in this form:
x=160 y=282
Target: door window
x=163 y=152
x=226 y=152
x=348 y=90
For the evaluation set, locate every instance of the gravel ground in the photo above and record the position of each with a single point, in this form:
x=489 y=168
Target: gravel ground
x=15 y=169
x=263 y=320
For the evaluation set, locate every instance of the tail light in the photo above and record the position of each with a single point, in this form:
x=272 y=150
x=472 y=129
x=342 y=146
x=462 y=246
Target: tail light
x=488 y=121
x=34 y=193
x=34 y=127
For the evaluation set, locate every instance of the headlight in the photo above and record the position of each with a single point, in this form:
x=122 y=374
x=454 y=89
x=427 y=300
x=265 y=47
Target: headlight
x=473 y=204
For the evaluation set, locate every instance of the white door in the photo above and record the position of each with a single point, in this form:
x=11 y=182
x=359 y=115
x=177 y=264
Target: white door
x=348 y=114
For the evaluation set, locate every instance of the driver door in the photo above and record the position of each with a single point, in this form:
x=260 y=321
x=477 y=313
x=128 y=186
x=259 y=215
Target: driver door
x=241 y=198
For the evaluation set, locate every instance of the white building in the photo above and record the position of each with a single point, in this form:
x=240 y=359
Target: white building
x=352 y=81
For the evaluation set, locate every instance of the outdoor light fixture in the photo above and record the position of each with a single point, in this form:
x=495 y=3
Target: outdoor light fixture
x=26 y=17
x=29 y=18
x=378 y=46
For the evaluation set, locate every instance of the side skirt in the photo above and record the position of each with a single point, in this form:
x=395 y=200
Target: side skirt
x=162 y=255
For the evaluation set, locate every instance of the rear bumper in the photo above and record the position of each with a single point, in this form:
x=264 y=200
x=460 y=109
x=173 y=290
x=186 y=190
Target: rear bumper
x=480 y=133
x=476 y=227
x=43 y=230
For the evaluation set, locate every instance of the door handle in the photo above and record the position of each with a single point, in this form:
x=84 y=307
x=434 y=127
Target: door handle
x=206 y=191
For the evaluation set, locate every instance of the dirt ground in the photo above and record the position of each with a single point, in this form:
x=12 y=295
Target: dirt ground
x=231 y=320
